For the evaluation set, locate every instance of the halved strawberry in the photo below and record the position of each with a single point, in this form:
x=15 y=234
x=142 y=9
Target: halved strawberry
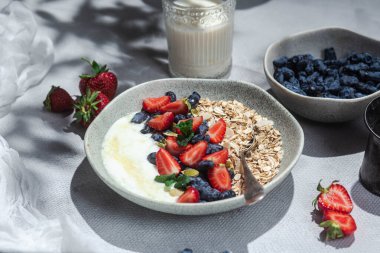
x=162 y=122
x=219 y=178
x=335 y=197
x=191 y=195
x=153 y=105
x=197 y=121
x=217 y=131
x=338 y=224
x=173 y=147
x=177 y=107
x=166 y=164
x=218 y=157
x=192 y=156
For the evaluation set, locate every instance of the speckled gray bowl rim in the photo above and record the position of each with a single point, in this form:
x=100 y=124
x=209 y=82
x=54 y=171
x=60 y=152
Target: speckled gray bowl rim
x=271 y=185
x=292 y=93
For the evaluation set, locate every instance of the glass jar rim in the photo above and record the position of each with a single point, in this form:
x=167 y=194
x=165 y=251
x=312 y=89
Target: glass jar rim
x=366 y=114
x=216 y=6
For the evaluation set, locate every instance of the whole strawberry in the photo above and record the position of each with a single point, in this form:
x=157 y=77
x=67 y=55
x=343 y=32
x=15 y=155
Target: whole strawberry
x=88 y=106
x=100 y=80
x=58 y=100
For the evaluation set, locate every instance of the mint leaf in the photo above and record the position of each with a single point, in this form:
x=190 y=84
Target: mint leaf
x=179 y=182
x=186 y=128
x=164 y=178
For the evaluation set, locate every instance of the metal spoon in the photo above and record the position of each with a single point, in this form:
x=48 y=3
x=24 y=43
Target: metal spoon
x=254 y=191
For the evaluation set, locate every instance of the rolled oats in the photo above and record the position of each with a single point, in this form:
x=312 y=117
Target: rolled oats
x=242 y=124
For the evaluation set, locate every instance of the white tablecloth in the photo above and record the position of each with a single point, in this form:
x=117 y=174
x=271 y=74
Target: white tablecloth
x=129 y=37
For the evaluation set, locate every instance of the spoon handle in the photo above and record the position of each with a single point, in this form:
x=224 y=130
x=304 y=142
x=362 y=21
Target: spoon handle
x=254 y=191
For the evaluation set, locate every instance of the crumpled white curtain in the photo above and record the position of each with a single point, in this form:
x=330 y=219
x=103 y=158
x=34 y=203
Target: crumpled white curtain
x=25 y=58
x=25 y=55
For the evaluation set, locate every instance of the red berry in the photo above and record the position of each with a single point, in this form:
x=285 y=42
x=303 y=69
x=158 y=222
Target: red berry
x=338 y=224
x=177 y=107
x=173 y=147
x=219 y=178
x=162 y=122
x=89 y=106
x=153 y=105
x=100 y=80
x=191 y=195
x=58 y=100
x=166 y=164
x=192 y=156
x=217 y=131
x=197 y=121
x=219 y=157
x=335 y=198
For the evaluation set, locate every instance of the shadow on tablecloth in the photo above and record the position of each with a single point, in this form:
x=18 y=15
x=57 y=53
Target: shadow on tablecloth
x=127 y=225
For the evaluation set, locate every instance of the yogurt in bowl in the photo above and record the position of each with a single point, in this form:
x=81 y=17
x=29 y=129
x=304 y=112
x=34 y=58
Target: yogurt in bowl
x=124 y=154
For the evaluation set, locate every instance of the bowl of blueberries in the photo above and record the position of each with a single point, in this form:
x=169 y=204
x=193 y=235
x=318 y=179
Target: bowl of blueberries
x=326 y=75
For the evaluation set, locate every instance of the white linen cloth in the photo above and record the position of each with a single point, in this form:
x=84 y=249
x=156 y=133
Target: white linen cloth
x=25 y=58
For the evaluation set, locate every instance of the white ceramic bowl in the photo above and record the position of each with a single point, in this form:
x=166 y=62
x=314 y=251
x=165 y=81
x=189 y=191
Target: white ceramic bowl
x=313 y=42
x=249 y=94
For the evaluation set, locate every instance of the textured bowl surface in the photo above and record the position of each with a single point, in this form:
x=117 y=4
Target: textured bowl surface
x=249 y=94
x=313 y=42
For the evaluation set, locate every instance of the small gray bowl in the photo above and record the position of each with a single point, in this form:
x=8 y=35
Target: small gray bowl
x=313 y=42
x=249 y=94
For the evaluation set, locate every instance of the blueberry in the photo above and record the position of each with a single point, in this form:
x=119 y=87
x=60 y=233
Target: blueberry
x=231 y=172
x=349 y=80
x=347 y=92
x=355 y=68
x=331 y=72
x=319 y=66
x=316 y=89
x=227 y=194
x=207 y=138
x=312 y=77
x=146 y=129
x=302 y=73
x=333 y=85
x=212 y=148
x=294 y=81
x=309 y=69
x=203 y=166
x=179 y=117
x=158 y=137
x=140 y=117
x=194 y=99
x=287 y=72
x=172 y=96
x=197 y=138
x=302 y=80
x=187 y=250
x=328 y=95
x=279 y=76
x=332 y=63
x=207 y=193
x=152 y=158
x=370 y=76
x=375 y=66
x=294 y=88
x=359 y=95
x=203 y=128
x=280 y=62
x=329 y=54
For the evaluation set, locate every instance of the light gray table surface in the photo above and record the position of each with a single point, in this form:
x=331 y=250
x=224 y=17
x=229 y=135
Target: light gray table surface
x=129 y=36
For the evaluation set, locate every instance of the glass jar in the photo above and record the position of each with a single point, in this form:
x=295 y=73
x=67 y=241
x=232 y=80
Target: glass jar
x=199 y=35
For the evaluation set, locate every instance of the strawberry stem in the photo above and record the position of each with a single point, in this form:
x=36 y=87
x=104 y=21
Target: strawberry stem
x=333 y=229
x=96 y=68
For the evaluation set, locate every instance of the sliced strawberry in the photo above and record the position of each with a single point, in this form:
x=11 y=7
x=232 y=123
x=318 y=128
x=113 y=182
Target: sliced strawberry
x=153 y=105
x=162 y=122
x=217 y=131
x=173 y=147
x=197 y=121
x=192 y=156
x=219 y=178
x=177 y=107
x=166 y=164
x=219 y=157
x=338 y=224
x=335 y=198
x=191 y=195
